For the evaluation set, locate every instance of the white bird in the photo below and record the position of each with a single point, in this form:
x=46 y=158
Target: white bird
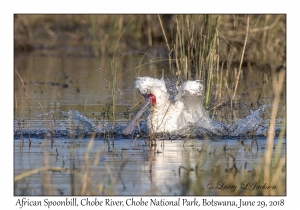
x=170 y=116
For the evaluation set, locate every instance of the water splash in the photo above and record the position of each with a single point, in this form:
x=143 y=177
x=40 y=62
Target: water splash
x=75 y=124
x=77 y=118
x=252 y=123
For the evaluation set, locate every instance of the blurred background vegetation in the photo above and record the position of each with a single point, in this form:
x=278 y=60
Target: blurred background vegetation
x=96 y=35
x=214 y=49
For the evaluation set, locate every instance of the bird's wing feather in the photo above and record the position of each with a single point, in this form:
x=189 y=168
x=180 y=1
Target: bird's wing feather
x=190 y=94
x=144 y=84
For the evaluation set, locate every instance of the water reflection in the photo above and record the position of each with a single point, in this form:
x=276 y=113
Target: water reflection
x=126 y=170
x=47 y=86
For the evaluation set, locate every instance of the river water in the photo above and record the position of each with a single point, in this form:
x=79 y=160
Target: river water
x=49 y=85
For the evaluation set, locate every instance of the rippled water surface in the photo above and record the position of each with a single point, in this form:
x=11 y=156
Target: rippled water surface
x=47 y=86
x=127 y=168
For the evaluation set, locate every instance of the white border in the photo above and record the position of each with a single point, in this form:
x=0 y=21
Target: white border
x=155 y=6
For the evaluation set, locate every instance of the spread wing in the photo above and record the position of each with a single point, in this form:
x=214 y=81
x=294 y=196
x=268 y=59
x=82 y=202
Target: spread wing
x=144 y=84
x=190 y=95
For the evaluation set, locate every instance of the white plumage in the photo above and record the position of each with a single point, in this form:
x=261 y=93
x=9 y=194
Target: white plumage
x=185 y=114
x=144 y=84
x=169 y=116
